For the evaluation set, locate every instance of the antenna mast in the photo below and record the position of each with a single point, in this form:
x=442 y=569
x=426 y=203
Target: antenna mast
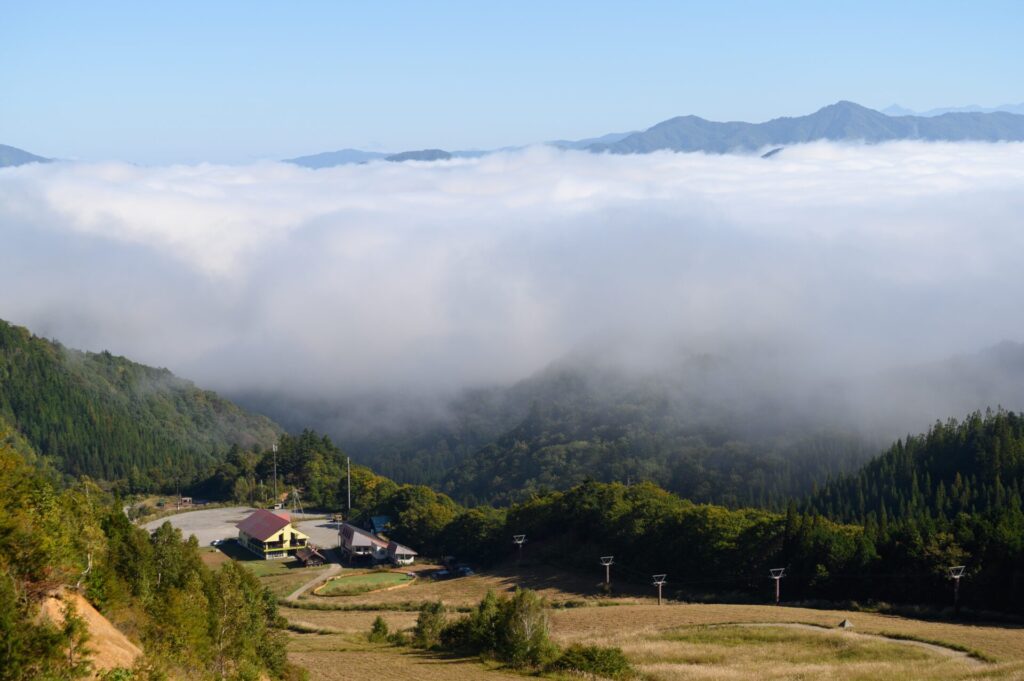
x=348 y=475
x=274 y=447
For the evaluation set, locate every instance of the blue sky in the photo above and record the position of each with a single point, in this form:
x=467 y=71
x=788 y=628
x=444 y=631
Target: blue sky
x=239 y=81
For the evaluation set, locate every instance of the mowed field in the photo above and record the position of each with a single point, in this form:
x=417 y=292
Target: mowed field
x=665 y=643
x=557 y=586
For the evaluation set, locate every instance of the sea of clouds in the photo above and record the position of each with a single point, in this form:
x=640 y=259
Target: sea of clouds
x=419 y=276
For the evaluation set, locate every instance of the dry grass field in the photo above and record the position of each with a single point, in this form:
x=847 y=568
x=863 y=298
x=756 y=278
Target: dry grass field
x=342 y=657
x=553 y=584
x=666 y=643
x=676 y=642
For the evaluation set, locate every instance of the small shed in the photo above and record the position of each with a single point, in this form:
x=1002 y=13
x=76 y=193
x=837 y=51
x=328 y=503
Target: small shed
x=310 y=557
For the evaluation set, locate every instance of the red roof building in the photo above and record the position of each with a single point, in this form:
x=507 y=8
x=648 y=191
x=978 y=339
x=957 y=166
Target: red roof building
x=270 y=535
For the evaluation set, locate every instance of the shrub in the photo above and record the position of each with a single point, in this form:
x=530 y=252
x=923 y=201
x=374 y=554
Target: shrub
x=398 y=638
x=117 y=674
x=457 y=636
x=429 y=625
x=379 y=631
x=593 y=661
x=522 y=631
x=513 y=630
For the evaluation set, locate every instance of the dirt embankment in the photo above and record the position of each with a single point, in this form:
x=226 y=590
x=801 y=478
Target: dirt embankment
x=109 y=648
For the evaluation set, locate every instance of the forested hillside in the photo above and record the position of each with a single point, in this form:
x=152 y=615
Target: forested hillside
x=753 y=431
x=954 y=493
x=704 y=429
x=109 y=418
x=191 y=622
x=974 y=466
x=711 y=550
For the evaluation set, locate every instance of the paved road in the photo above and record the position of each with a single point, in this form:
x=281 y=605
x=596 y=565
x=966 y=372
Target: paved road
x=219 y=523
x=321 y=532
x=331 y=570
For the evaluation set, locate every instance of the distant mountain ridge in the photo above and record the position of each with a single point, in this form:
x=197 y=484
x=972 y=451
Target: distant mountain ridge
x=329 y=159
x=842 y=121
x=897 y=110
x=13 y=156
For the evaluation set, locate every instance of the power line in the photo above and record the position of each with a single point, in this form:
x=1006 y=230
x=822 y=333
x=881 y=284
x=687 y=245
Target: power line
x=519 y=540
x=659 y=581
x=607 y=561
x=777 y=574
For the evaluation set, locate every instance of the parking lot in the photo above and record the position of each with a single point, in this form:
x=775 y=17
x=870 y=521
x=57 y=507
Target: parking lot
x=219 y=523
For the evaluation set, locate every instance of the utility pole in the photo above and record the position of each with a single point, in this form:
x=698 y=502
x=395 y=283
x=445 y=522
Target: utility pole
x=607 y=561
x=348 y=477
x=519 y=540
x=955 y=573
x=274 y=447
x=777 y=575
x=659 y=581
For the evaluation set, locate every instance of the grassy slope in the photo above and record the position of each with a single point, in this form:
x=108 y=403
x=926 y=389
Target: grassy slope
x=667 y=642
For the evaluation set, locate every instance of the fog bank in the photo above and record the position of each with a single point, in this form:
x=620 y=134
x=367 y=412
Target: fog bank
x=829 y=260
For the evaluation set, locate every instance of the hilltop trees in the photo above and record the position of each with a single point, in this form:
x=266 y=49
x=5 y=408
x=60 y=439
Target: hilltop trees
x=951 y=496
x=191 y=621
x=112 y=419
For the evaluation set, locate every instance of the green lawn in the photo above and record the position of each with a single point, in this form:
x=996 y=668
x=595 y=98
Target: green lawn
x=271 y=568
x=347 y=585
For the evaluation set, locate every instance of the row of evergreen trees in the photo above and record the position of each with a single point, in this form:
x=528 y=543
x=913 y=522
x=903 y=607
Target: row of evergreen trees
x=954 y=495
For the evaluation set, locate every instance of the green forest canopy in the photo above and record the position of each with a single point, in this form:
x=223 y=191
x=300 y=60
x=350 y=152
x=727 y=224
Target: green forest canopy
x=113 y=419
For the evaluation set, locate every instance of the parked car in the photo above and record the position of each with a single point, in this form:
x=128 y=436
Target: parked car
x=464 y=571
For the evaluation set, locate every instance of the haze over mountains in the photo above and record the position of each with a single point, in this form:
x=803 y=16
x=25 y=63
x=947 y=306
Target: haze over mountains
x=897 y=110
x=662 y=311
x=842 y=121
x=12 y=156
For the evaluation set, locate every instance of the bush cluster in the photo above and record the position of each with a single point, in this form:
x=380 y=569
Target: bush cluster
x=513 y=630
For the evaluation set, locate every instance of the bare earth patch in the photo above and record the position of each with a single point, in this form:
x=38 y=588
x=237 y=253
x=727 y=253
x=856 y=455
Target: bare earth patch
x=109 y=648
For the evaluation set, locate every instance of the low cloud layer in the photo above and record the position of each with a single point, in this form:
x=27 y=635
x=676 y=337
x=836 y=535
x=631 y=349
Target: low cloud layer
x=421 y=277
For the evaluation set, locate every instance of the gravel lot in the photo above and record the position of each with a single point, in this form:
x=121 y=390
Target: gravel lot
x=219 y=523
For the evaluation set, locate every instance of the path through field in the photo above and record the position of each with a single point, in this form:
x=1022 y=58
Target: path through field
x=332 y=569
x=924 y=645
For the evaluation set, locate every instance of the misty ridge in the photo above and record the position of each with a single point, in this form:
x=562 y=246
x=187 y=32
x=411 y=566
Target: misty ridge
x=730 y=298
